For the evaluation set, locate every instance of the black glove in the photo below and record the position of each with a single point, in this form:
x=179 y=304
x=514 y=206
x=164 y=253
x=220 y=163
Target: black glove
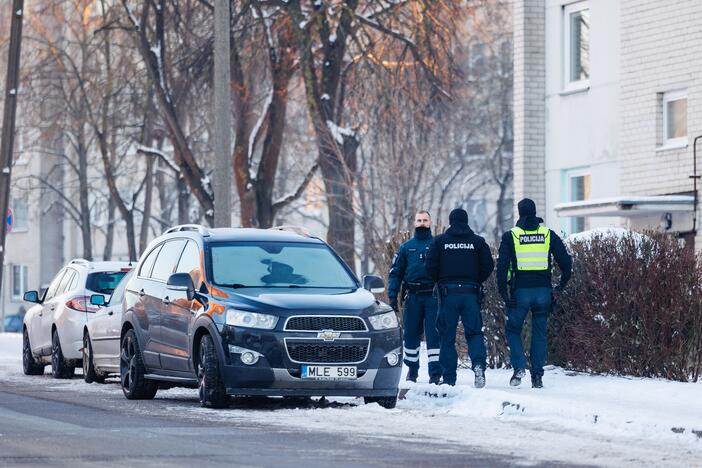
x=394 y=304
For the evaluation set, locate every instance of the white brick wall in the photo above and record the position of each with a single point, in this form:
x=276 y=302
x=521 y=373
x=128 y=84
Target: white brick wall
x=529 y=100
x=661 y=42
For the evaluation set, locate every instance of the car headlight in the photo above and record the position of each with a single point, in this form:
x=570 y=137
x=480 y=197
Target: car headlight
x=241 y=318
x=384 y=321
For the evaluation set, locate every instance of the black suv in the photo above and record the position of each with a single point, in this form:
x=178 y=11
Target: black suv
x=255 y=312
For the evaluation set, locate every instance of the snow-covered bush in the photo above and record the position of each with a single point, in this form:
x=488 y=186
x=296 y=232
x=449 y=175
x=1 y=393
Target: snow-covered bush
x=633 y=306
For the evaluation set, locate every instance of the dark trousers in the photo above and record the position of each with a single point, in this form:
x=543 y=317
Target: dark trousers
x=538 y=301
x=467 y=308
x=420 y=313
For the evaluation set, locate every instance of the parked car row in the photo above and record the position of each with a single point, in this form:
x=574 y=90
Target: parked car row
x=227 y=311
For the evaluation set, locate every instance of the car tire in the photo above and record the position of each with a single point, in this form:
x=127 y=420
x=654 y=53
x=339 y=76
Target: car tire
x=90 y=375
x=211 y=389
x=385 y=402
x=29 y=363
x=60 y=367
x=132 y=370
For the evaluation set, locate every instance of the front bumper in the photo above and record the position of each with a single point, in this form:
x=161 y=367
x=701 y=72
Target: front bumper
x=277 y=374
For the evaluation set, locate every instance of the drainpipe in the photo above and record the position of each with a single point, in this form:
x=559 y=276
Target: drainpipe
x=694 y=178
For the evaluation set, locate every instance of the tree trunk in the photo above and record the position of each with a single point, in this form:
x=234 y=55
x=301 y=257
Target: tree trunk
x=183 y=205
x=148 y=197
x=110 y=234
x=339 y=184
x=272 y=144
x=85 y=227
x=163 y=202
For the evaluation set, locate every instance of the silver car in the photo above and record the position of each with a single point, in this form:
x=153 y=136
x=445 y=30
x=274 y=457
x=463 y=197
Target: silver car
x=101 y=335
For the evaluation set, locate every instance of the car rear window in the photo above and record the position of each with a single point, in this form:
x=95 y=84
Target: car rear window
x=104 y=282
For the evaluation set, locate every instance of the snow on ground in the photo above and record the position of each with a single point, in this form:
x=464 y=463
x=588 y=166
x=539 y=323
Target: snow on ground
x=576 y=418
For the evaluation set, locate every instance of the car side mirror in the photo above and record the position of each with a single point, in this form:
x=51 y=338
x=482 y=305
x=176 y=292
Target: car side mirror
x=182 y=282
x=98 y=300
x=374 y=284
x=32 y=296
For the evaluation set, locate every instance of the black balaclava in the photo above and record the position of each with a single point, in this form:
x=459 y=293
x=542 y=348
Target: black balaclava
x=422 y=232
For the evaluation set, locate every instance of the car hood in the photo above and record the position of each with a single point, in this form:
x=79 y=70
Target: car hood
x=307 y=299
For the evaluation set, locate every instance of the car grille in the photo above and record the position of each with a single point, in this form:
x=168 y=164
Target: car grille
x=327 y=353
x=320 y=323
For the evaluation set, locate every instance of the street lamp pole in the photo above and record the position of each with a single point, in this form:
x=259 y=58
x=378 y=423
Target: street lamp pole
x=222 y=117
x=7 y=140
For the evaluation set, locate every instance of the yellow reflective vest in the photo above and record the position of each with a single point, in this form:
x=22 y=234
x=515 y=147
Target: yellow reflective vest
x=532 y=248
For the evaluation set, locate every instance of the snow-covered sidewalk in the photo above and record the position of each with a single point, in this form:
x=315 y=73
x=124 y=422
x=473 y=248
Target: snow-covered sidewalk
x=575 y=419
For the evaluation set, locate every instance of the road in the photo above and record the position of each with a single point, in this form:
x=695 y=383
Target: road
x=579 y=419
x=75 y=424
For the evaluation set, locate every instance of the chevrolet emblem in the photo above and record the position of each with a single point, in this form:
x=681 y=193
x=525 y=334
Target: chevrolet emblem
x=328 y=335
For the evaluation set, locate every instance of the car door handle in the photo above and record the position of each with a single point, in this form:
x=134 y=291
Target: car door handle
x=166 y=300
x=142 y=293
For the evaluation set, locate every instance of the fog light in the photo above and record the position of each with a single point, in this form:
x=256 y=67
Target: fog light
x=393 y=358
x=249 y=358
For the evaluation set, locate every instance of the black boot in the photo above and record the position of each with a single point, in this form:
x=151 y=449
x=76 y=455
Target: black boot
x=435 y=379
x=479 y=376
x=536 y=381
x=517 y=377
x=412 y=375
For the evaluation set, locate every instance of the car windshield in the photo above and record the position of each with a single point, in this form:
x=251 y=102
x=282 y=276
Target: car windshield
x=104 y=282
x=277 y=265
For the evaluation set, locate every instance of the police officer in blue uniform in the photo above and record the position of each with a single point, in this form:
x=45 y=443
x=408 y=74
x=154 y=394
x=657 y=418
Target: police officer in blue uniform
x=459 y=261
x=409 y=274
x=524 y=268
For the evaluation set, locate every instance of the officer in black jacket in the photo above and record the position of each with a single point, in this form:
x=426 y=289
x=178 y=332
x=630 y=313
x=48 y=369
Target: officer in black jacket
x=420 y=308
x=459 y=261
x=524 y=282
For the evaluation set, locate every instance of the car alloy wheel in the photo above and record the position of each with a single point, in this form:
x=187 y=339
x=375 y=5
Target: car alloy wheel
x=89 y=373
x=29 y=364
x=131 y=371
x=60 y=368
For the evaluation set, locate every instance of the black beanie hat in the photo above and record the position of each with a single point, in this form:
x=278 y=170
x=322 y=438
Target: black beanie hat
x=458 y=216
x=526 y=207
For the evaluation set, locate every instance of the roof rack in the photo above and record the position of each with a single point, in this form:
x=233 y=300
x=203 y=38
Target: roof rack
x=296 y=229
x=202 y=230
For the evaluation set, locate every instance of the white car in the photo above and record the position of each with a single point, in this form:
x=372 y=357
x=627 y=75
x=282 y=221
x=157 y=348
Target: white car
x=101 y=335
x=53 y=328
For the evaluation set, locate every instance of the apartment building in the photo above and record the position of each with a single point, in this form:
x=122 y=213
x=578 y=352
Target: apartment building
x=608 y=105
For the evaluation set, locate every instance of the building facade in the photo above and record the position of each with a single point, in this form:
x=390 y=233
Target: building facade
x=608 y=102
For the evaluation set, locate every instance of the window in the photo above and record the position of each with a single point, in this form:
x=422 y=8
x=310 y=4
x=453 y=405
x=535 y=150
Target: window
x=579 y=191
x=19 y=214
x=19 y=281
x=167 y=258
x=148 y=263
x=66 y=281
x=118 y=293
x=104 y=282
x=190 y=262
x=675 y=118
x=576 y=21
x=51 y=291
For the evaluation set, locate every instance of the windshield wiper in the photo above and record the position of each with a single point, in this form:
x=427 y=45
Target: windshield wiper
x=235 y=286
